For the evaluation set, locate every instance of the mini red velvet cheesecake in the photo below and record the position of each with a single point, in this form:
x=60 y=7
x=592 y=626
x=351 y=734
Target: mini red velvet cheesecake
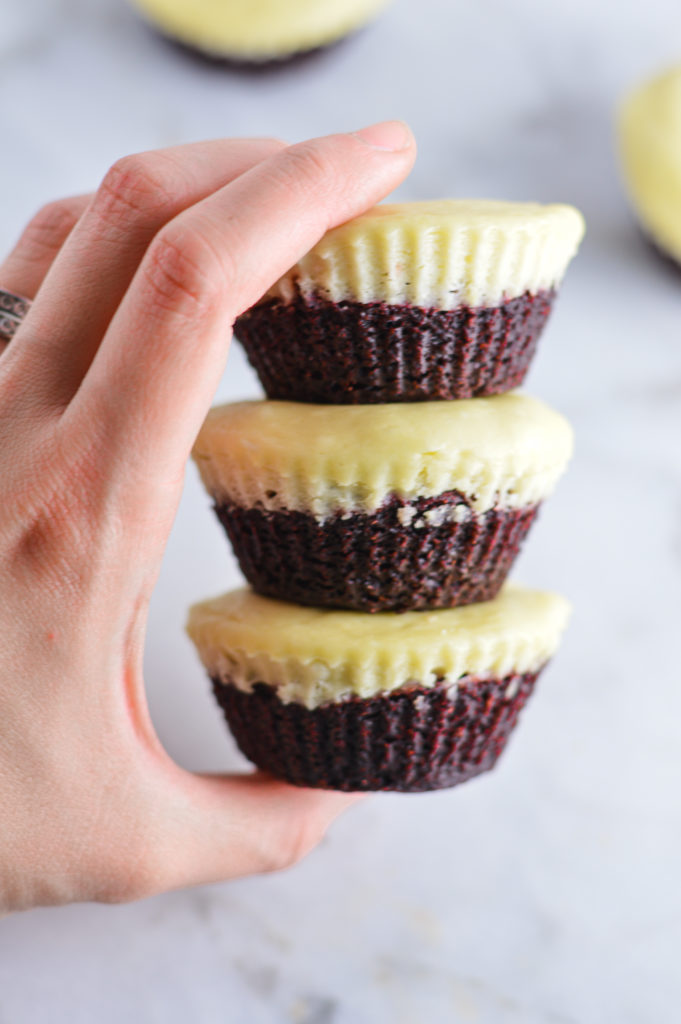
x=414 y=302
x=342 y=700
x=381 y=507
x=257 y=32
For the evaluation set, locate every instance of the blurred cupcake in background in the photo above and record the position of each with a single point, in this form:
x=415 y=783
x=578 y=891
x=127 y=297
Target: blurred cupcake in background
x=650 y=149
x=257 y=31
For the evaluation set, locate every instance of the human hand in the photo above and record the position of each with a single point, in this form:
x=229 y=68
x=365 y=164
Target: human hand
x=102 y=392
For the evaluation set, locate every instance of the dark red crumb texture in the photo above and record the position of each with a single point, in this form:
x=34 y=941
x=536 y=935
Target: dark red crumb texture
x=413 y=739
x=372 y=562
x=350 y=353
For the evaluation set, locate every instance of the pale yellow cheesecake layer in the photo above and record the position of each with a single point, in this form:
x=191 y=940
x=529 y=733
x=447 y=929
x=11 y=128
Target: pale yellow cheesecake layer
x=650 y=145
x=505 y=451
x=258 y=29
x=314 y=656
x=439 y=254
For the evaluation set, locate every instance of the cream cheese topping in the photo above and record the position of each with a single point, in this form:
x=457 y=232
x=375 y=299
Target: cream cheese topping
x=504 y=451
x=439 y=254
x=258 y=29
x=650 y=145
x=314 y=656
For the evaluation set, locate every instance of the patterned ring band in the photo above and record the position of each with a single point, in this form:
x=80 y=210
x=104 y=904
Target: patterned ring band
x=13 y=309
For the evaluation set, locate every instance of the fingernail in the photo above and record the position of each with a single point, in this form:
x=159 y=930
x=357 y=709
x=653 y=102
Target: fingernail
x=390 y=136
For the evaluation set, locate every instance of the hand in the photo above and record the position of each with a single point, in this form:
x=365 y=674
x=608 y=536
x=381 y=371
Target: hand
x=102 y=392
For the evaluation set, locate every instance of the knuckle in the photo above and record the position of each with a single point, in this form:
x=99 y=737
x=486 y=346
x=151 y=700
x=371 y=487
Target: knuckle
x=184 y=273
x=53 y=550
x=53 y=532
x=132 y=187
x=48 y=228
x=307 y=166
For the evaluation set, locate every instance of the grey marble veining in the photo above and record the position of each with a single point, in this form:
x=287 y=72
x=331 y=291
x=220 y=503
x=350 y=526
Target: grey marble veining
x=547 y=892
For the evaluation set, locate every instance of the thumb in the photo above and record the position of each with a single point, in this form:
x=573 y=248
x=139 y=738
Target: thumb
x=224 y=827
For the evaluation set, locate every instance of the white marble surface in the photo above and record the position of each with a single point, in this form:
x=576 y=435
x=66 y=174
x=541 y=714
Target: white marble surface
x=547 y=892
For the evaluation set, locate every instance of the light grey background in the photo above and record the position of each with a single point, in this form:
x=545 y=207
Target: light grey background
x=548 y=891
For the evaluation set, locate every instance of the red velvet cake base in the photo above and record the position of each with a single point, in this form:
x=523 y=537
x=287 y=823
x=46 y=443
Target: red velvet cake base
x=351 y=353
x=417 y=738
x=372 y=562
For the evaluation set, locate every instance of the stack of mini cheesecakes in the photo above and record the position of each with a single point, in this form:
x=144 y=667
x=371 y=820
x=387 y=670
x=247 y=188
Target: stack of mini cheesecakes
x=377 y=500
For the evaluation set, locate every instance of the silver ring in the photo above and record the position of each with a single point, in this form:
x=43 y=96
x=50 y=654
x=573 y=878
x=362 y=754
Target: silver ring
x=13 y=309
x=14 y=305
x=8 y=327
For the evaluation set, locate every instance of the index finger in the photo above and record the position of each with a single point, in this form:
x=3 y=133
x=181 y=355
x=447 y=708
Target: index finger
x=159 y=365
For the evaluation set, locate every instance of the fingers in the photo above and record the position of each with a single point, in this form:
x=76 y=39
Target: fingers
x=84 y=286
x=166 y=347
x=25 y=268
x=224 y=828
